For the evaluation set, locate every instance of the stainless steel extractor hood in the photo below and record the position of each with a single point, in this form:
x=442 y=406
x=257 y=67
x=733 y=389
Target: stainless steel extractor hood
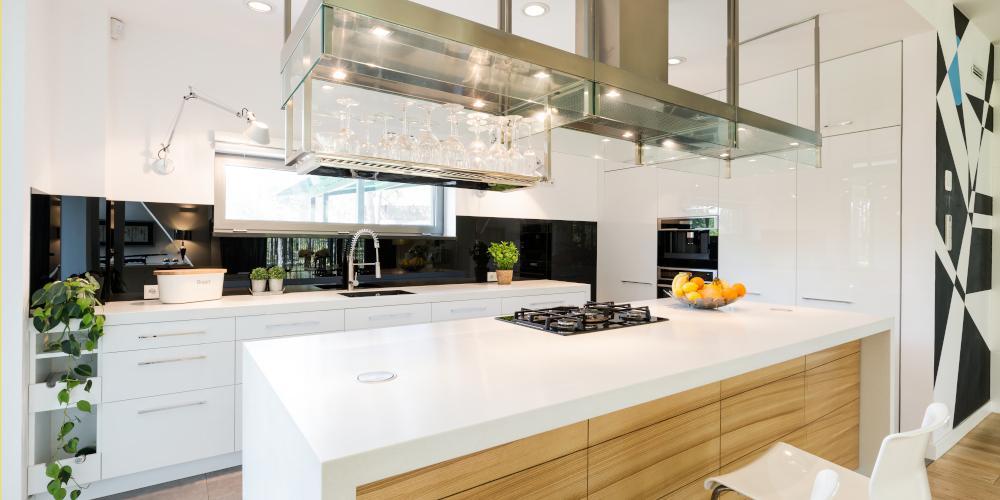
x=376 y=50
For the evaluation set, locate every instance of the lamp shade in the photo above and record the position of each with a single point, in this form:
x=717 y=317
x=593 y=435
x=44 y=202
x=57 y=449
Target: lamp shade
x=257 y=132
x=180 y=234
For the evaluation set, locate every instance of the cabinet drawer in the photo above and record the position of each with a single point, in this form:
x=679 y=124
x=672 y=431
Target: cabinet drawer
x=561 y=479
x=464 y=309
x=167 y=334
x=189 y=426
x=86 y=469
x=836 y=436
x=511 y=304
x=41 y=397
x=281 y=325
x=151 y=372
x=380 y=317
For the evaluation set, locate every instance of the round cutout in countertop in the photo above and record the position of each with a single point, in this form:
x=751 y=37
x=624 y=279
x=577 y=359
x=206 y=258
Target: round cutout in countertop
x=376 y=377
x=781 y=310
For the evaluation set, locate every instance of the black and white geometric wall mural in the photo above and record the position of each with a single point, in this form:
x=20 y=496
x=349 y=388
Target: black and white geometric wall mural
x=964 y=197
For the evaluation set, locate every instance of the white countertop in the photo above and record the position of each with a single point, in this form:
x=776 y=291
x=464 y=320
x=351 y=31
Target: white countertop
x=143 y=311
x=464 y=386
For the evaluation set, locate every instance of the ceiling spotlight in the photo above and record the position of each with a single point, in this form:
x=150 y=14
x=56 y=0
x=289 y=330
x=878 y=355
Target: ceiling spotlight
x=793 y=144
x=741 y=129
x=627 y=134
x=380 y=31
x=259 y=6
x=535 y=9
x=724 y=155
x=668 y=143
x=673 y=61
x=340 y=75
x=613 y=94
x=606 y=140
x=541 y=74
x=478 y=104
x=328 y=87
x=752 y=160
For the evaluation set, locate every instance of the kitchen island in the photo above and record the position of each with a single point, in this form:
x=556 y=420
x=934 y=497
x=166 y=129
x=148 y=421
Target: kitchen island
x=486 y=409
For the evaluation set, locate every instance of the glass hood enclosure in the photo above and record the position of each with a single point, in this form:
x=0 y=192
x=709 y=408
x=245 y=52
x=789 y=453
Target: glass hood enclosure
x=391 y=90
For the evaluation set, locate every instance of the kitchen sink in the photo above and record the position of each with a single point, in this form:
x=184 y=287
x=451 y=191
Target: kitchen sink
x=376 y=293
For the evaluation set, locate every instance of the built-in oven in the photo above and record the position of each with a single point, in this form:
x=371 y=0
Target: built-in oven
x=665 y=277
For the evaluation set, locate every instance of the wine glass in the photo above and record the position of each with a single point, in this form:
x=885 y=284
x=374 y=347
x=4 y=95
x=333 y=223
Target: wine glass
x=515 y=162
x=384 y=147
x=367 y=148
x=428 y=146
x=339 y=139
x=325 y=140
x=530 y=157
x=349 y=141
x=476 y=154
x=403 y=149
x=452 y=150
x=496 y=156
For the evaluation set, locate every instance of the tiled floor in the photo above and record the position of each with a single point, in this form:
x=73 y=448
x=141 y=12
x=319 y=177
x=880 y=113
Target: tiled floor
x=226 y=484
x=971 y=469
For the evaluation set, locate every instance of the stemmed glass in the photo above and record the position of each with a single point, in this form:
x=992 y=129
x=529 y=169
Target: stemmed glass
x=349 y=140
x=515 y=162
x=452 y=150
x=530 y=157
x=476 y=154
x=339 y=139
x=428 y=146
x=367 y=148
x=384 y=147
x=403 y=149
x=496 y=156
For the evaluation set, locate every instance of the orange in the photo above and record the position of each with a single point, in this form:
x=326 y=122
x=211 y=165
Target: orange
x=729 y=294
x=740 y=289
x=698 y=281
x=711 y=292
x=689 y=287
x=692 y=296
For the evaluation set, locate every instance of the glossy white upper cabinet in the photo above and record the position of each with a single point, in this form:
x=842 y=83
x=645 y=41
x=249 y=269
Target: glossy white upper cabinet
x=757 y=230
x=683 y=194
x=626 y=249
x=864 y=89
x=849 y=224
x=776 y=96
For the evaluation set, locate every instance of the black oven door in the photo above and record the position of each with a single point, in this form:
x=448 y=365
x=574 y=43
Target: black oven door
x=688 y=243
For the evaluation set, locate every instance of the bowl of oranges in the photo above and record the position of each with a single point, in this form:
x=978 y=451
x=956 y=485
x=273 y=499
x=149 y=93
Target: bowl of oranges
x=694 y=292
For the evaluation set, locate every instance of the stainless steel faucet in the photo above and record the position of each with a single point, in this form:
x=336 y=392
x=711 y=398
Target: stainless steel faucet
x=351 y=281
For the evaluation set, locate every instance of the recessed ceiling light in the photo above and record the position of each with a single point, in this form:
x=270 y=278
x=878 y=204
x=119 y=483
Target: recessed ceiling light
x=340 y=75
x=478 y=104
x=380 y=31
x=793 y=144
x=668 y=143
x=741 y=129
x=752 y=160
x=673 y=61
x=606 y=140
x=613 y=94
x=328 y=87
x=535 y=9
x=259 y=6
x=627 y=134
x=541 y=74
x=724 y=155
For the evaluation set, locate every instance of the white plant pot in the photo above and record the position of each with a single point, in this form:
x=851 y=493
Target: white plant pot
x=275 y=285
x=258 y=285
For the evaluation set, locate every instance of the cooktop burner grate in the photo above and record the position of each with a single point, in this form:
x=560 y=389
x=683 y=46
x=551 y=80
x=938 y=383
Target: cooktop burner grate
x=593 y=316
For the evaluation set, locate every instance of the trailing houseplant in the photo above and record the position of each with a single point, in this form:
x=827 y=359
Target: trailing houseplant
x=505 y=255
x=258 y=279
x=68 y=308
x=480 y=253
x=275 y=278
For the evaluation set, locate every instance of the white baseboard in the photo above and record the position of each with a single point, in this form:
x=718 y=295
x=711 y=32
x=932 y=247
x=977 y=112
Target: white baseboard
x=121 y=484
x=936 y=450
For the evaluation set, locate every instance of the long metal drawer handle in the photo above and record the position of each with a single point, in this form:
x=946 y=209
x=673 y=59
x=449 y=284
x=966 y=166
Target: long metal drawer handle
x=469 y=309
x=543 y=303
x=403 y=315
x=754 y=293
x=636 y=282
x=172 y=407
x=169 y=335
x=170 y=361
x=828 y=300
x=293 y=324
x=840 y=124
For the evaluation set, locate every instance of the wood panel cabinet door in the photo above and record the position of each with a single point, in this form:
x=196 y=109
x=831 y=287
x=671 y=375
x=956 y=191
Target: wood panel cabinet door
x=626 y=249
x=835 y=436
x=832 y=385
x=759 y=416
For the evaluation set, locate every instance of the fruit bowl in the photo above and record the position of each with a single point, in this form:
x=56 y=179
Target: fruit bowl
x=412 y=267
x=705 y=303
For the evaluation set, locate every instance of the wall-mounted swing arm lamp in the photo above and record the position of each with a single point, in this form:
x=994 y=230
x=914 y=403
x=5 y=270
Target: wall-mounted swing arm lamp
x=256 y=132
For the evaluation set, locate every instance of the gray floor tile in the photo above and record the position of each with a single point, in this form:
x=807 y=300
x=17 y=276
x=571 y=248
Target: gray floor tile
x=226 y=484
x=191 y=488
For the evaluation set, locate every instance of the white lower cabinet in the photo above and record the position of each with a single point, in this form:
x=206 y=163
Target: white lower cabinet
x=511 y=304
x=849 y=225
x=626 y=248
x=381 y=317
x=85 y=469
x=151 y=372
x=239 y=417
x=167 y=334
x=148 y=433
x=283 y=325
x=465 y=309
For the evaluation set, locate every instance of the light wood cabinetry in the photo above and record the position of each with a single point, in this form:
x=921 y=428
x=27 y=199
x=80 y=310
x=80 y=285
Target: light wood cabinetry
x=664 y=449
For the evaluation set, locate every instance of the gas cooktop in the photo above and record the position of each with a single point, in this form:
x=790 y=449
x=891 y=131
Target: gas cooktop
x=592 y=317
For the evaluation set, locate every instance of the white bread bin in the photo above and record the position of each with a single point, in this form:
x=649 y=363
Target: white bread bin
x=178 y=286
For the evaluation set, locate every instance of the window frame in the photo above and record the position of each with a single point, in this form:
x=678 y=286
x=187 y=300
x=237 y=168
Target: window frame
x=224 y=226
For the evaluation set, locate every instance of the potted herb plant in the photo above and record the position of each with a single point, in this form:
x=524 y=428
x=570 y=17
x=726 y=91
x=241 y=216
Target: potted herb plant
x=307 y=254
x=258 y=279
x=276 y=279
x=505 y=255
x=321 y=255
x=480 y=253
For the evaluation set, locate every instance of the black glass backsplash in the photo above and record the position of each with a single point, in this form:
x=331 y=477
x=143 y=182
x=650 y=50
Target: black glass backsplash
x=71 y=235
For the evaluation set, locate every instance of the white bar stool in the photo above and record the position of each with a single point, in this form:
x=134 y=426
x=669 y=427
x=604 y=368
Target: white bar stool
x=788 y=473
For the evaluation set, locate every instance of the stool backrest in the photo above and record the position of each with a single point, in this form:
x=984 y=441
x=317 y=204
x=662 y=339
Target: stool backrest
x=900 y=473
x=826 y=485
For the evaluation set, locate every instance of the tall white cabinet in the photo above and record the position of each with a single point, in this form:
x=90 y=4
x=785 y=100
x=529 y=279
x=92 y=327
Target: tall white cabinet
x=627 y=236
